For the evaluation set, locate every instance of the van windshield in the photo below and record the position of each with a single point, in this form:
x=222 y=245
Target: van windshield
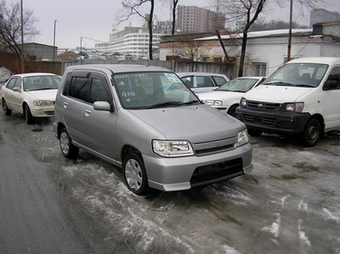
x=152 y=90
x=297 y=74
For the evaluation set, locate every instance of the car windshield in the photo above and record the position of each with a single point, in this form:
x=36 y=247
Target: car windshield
x=152 y=90
x=238 y=85
x=298 y=74
x=44 y=82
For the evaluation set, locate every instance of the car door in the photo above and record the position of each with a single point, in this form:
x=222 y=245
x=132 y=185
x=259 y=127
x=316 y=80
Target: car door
x=11 y=96
x=332 y=100
x=99 y=126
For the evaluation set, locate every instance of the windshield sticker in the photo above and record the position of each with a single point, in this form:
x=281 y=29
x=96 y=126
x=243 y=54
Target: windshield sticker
x=129 y=94
x=171 y=77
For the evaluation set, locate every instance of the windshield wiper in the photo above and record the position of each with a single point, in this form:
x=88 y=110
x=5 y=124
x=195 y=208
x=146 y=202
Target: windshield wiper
x=275 y=83
x=189 y=102
x=165 y=104
x=304 y=85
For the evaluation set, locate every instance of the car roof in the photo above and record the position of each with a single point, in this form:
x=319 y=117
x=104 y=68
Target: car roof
x=200 y=73
x=32 y=74
x=117 y=68
x=321 y=60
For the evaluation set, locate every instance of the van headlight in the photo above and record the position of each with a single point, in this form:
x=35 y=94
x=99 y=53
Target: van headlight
x=42 y=103
x=294 y=107
x=243 y=102
x=213 y=102
x=242 y=138
x=176 y=148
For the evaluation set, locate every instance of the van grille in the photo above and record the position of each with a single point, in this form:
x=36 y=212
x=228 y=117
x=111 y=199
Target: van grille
x=256 y=105
x=213 y=172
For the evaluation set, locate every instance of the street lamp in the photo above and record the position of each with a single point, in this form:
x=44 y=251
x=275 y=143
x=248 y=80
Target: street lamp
x=54 y=29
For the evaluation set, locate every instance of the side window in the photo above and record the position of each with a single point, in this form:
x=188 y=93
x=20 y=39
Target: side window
x=78 y=88
x=335 y=76
x=98 y=91
x=11 y=83
x=219 y=80
x=189 y=81
x=204 y=81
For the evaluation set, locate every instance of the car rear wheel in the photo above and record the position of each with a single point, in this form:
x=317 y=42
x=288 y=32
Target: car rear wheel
x=67 y=148
x=312 y=133
x=134 y=174
x=28 y=115
x=6 y=110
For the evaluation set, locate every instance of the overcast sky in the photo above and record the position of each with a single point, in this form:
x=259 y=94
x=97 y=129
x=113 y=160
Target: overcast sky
x=95 y=19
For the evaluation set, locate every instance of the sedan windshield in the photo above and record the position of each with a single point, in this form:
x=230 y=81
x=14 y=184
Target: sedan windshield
x=152 y=90
x=238 y=85
x=297 y=74
x=43 y=82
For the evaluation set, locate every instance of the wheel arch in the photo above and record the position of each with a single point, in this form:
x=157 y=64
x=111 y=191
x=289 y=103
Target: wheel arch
x=130 y=149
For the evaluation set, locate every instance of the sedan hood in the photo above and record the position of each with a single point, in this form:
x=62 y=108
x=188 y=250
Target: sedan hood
x=48 y=95
x=195 y=123
x=276 y=94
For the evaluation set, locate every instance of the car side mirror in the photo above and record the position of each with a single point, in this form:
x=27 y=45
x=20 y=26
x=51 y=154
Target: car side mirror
x=330 y=85
x=16 y=89
x=102 y=105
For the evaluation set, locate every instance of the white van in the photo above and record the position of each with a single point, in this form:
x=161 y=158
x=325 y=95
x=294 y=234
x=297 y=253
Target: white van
x=301 y=98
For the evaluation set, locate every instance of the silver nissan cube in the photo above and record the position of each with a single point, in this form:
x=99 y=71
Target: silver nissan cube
x=146 y=121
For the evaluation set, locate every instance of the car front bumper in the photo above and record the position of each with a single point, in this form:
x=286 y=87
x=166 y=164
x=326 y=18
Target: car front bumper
x=42 y=111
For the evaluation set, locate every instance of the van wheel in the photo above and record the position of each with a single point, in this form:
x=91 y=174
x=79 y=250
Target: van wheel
x=254 y=132
x=6 y=110
x=28 y=115
x=312 y=133
x=67 y=148
x=135 y=175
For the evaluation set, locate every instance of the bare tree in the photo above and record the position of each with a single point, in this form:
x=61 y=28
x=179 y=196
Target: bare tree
x=174 y=9
x=134 y=7
x=246 y=11
x=10 y=26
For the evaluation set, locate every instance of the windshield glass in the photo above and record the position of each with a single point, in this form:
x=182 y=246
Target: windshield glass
x=238 y=85
x=152 y=90
x=298 y=74
x=44 y=82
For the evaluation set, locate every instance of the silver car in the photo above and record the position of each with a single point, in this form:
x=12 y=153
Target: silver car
x=147 y=122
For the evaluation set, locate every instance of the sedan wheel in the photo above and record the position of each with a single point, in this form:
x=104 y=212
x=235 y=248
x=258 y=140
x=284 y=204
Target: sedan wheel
x=134 y=174
x=28 y=116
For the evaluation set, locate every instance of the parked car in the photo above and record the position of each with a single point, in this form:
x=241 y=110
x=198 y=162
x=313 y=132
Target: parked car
x=300 y=98
x=202 y=82
x=227 y=97
x=32 y=94
x=161 y=138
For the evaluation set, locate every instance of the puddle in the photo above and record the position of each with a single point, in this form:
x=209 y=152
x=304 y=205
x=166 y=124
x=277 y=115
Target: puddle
x=306 y=168
x=287 y=177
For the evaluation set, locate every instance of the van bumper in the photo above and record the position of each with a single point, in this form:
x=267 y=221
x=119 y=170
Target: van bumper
x=280 y=123
x=182 y=173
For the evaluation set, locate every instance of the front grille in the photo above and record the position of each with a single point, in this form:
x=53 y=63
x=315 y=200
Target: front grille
x=256 y=105
x=214 y=149
x=209 y=173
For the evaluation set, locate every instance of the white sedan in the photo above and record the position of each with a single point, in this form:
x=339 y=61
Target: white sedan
x=32 y=94
x=227 y=97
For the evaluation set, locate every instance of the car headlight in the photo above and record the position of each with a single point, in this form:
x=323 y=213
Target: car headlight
x=42 y=103
x=243 y=102
x=242 y=138
x=172 y=148
x=295 y=107
x=213 y=102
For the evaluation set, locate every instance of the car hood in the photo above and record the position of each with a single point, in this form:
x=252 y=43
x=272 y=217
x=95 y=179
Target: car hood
x=195 y=123
x=48 y=95
x=276 y=94
x=220 y=95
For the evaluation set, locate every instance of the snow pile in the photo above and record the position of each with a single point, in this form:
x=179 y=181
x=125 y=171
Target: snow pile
x=4 y=74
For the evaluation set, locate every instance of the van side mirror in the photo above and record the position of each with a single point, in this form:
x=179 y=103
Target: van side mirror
x=102 y=105
x=330 y=85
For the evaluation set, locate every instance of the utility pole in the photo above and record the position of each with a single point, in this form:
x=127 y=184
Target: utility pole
x=22 y=39
x=290 y=30
x=54 y=28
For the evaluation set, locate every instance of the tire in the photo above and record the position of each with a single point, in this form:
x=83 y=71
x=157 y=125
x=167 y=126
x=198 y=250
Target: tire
x=28 y=115
x=312 y=133
x=6 y=110
x=135 y=175
x=67 y=148
x=254 y=132
x=232 y=110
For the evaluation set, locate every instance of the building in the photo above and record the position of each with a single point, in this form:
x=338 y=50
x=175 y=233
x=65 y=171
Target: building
x=37 y=51
x=192 y=19
x=266 y=50
x=322 y=16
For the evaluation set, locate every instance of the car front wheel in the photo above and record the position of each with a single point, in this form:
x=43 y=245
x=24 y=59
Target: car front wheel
x=28 y=115
x=67 y=148
x=134 y=174
x=312 y=133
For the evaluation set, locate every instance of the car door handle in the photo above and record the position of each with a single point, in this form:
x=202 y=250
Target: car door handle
x=87 y=113
x=65 y=104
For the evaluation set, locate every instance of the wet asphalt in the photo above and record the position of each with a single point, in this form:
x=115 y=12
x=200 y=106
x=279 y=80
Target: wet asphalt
x=289 y=203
